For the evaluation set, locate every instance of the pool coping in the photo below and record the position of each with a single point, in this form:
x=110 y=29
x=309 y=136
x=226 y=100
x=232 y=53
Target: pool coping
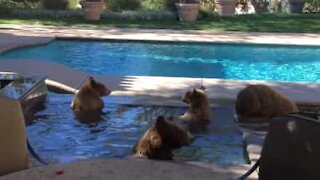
x=161 y=35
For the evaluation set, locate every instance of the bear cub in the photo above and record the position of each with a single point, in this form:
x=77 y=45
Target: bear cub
x=160 y=139
x=87 y=104
x=263 y=101
x=198 y=114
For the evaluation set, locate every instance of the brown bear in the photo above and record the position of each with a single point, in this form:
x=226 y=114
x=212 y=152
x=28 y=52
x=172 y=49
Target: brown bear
x=160 y=139
x=198 y=114
x=263 y=101
x=87 y=104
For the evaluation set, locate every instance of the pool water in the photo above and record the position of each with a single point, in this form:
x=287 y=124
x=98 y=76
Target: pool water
x=58 y=137
x=226 y=61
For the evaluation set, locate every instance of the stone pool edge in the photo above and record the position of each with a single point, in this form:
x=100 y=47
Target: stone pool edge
x=161 y=35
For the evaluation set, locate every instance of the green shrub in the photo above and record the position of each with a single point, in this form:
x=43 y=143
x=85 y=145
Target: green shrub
x=73 y=4
x=158 y=4
x=154 y=4
x=151 y=15
x=26 y=3
x=6 y=6
x=123 y=5
x=171 y=5
x=312 y=6
x=45 y=14
x=55 y=4
x=207 y=4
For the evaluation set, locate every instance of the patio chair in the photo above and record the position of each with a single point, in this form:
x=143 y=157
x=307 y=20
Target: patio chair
x=291 y=149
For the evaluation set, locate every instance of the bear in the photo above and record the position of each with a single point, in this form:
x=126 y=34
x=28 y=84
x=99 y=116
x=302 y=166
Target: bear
x=161 y=139
x=198 y=115
x=262 y=101
x=87 y=104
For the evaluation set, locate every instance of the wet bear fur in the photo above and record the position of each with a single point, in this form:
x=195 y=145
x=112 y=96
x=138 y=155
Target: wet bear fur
x=263 y=101
x=160 y=139
x=87 y=104
x=198 y=114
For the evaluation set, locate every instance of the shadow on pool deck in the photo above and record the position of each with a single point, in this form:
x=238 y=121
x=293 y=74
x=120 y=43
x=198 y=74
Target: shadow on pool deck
x=161 y=34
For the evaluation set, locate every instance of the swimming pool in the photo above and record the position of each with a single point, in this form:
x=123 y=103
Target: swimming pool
x=227 y=61
x=58 y=137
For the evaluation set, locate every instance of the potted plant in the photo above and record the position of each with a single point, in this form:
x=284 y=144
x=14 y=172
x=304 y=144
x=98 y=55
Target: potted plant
x=225 y=7
x=293 y=6
x=187 y=10
x=92 y=9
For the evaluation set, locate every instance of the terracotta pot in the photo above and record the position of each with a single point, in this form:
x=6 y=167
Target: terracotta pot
x=225 y=7
x=188 y=12
x=294 y=6
x=92 y=9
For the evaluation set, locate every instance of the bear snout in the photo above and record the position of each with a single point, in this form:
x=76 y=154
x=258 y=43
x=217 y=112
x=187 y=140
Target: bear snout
x=140 y=155
x=107 y=92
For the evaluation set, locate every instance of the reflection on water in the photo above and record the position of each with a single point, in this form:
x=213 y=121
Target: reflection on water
x=18 y=87
x=57 y=136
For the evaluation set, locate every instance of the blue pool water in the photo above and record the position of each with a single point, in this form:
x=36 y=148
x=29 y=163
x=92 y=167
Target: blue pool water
x=227 y=61
x=58 y=137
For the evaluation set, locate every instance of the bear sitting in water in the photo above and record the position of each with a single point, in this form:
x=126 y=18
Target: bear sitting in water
x=87 y=104
x=263 y=101
x=159 y=140
x=198 y=114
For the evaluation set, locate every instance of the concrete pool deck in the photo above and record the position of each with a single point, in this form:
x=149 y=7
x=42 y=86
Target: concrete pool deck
x=151 y=90
x=120 y=169
x=160 y=35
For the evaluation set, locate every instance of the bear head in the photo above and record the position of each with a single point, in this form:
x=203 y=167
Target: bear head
x=159 y=140
x=98 y=88
x=195 y=97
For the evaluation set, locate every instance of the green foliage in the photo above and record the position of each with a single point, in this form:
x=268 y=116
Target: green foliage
x=154 y=4
x=312 y=6
x=133 y=5
x=42 y=13
x=149 y=15
x=55 y=4
x=73 y=4
x=171 y=5
x=27 y=3
x=7 y=5
x=207 y=4
x=123 y=5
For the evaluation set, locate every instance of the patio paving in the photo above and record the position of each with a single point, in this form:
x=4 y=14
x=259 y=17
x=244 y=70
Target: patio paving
x=161 y=35
x=119 y=169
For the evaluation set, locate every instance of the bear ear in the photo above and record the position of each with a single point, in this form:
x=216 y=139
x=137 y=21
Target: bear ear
x=171 y=118
x=194 y=91
x=92 y=82
x=160 y=121
x=202 y=87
